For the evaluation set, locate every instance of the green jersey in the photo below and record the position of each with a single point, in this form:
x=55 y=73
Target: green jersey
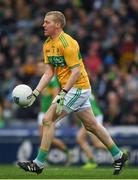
x=47 y=96
x=96 y=109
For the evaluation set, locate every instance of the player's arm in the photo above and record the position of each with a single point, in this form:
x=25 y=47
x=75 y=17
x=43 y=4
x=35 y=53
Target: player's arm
x=75 y=73
x=46 y=77
x=73 y=61
x=48 y=72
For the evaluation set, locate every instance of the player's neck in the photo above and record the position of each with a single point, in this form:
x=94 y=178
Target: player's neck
x=56 y=34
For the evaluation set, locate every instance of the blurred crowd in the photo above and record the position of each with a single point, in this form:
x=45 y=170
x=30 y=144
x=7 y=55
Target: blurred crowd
x=107 y=31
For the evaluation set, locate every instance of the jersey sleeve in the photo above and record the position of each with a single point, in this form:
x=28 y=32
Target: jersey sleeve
x=72 y=55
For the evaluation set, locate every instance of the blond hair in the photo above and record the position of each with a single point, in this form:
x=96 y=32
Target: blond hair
x=58 y=17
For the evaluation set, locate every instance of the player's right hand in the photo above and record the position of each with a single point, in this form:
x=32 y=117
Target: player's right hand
x=35 y=94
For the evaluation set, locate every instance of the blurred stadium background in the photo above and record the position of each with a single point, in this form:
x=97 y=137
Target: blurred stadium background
x=108 y=36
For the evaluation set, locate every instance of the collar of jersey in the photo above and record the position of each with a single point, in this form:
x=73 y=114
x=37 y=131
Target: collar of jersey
x=62 y=32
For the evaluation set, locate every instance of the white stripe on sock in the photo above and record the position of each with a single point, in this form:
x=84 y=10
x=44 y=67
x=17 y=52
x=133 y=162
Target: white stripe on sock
x=39 y=164
x=118 y=156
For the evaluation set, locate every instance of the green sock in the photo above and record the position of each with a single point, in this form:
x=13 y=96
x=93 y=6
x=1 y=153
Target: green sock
x=42 y=155
x=115 y=151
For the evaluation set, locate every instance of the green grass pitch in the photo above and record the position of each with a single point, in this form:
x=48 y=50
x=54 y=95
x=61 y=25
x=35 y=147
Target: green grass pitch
x=60 y=172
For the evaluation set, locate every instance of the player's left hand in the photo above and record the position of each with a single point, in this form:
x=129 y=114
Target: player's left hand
x=59 y=99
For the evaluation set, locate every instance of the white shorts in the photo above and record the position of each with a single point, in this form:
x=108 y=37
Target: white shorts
x=77 y=100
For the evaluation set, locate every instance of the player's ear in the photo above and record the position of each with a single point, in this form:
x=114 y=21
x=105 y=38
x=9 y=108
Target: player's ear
x=58 y=25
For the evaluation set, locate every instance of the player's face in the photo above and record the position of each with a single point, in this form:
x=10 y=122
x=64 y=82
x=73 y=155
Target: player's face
x=49 y=26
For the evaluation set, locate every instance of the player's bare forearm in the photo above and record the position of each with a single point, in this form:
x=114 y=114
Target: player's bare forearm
x=47 y=76
x=75 y=73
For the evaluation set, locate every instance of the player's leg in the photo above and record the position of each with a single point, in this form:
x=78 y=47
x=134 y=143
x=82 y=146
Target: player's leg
x=48 y=134
x=56 y=141
x=95 y=141
x=82 y=136
x=39 y=163
x=90 y=123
